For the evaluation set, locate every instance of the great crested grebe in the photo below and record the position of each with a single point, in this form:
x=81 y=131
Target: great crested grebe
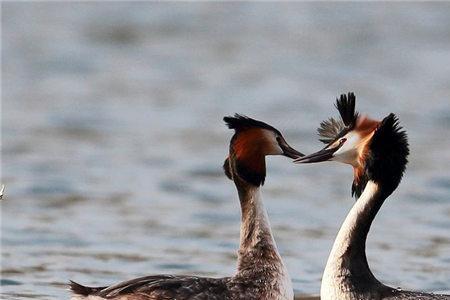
x=261 y=273
x=378 y=152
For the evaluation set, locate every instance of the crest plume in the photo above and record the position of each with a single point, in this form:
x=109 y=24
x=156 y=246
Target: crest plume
x=240 y=122
x=332 y=129
x=346 y=106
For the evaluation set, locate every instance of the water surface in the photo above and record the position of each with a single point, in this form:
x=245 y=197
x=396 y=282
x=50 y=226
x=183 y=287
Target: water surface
x=112 y=139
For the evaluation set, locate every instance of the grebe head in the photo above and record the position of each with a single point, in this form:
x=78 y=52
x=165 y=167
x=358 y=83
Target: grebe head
x=377 y=150
x=251 y=142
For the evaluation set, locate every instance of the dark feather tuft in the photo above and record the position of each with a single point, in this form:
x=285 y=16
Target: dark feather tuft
x=241 y=122
x=332 y=129
x=346 y=107
x=388 y=156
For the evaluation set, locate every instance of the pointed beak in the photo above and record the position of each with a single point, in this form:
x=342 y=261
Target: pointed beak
x=321 y=155
x=289 y=151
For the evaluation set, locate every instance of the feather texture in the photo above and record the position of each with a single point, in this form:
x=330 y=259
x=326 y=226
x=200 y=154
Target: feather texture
x=332 y=129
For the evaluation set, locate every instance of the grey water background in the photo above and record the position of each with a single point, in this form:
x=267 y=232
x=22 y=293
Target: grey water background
x=113 y=140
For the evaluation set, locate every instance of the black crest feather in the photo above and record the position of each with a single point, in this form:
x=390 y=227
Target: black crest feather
x=240 y=122
x=332 y=129
x=346 y=107
x=388 y=156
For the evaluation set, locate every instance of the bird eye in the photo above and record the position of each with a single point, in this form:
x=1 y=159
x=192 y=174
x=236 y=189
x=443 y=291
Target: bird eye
x=341 y=141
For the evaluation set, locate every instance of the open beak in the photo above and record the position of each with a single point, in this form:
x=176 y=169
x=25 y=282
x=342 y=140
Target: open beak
x=289 y=151
x=322 y=155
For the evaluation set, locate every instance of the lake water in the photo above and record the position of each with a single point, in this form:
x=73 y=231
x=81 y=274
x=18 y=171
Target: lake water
x=113 y=140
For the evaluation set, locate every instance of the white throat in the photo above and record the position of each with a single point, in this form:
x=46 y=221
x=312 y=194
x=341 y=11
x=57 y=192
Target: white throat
x=347 y=262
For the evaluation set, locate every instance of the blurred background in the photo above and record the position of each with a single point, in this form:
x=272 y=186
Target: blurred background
x=113 y=139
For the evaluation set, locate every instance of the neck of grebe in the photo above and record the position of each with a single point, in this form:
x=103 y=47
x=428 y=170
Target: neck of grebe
x=347 y=264
x=255 y=235
x=258 y=254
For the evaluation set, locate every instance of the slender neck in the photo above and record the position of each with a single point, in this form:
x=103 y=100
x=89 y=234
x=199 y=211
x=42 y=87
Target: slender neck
x=257 y=245
x=258 y=257
x=347 y=261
